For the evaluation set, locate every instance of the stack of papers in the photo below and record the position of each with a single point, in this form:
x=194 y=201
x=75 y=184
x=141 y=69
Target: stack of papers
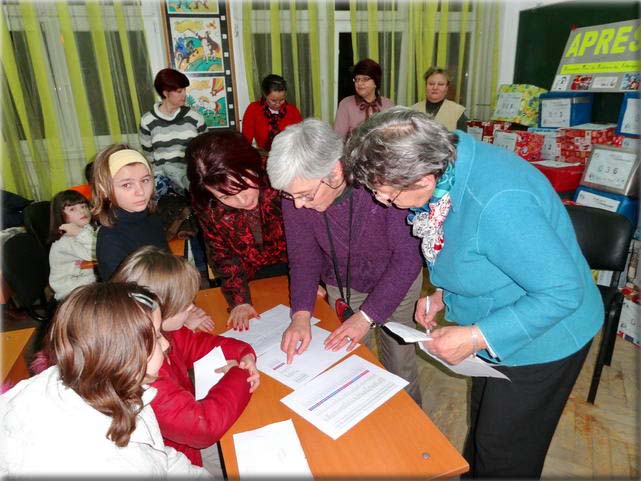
x=273 y=450
x=340 y=398
x=266 y=332
x=471 y=366
x=305 y=366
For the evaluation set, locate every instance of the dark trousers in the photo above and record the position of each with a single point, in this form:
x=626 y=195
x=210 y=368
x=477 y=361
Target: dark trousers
x=512 y=423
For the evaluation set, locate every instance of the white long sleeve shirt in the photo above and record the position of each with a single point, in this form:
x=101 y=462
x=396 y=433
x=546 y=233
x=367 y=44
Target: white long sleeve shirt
x=47 y=429
x=65 y=257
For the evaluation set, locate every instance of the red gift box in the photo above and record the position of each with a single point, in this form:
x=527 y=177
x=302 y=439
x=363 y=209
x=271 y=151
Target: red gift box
x=489 y=127
x=525 y=144
x=562 y=177
x=575 y=143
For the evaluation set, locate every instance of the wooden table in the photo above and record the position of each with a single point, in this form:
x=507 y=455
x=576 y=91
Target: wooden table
x=396 y=440
x=14 y=366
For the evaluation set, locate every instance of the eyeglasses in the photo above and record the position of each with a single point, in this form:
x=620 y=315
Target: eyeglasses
x=386 y=199
x=309 y=197
x=361 y=80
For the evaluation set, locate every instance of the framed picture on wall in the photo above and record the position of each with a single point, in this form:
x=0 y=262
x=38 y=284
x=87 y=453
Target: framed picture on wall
x=199 y=45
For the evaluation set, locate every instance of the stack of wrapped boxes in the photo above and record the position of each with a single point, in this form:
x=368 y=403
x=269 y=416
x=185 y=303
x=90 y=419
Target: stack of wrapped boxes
x=575 y=143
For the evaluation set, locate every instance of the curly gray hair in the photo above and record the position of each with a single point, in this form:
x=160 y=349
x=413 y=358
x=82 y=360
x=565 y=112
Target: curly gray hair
x=307 y=150
x=398 y=147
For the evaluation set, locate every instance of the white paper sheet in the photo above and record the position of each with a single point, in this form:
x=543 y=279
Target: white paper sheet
x=407 y=333
x=271 y=451
x=266 y=332
x=630 y=123
x=472 y=366
x=305 y=366
x=341 y=397
x=556 y=112
x=205 y=375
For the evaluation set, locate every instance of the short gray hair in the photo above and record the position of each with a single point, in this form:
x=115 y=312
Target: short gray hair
x=398 y=147
x=307 y=150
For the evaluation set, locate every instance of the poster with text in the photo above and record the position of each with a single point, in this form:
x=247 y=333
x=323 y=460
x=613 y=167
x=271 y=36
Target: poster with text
x=601 y=58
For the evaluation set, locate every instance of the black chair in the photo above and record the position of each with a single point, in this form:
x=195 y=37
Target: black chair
x=25 y=268
x=604 y=238
x=36 y=221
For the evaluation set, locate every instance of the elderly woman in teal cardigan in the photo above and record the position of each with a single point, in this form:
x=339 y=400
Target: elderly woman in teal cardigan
x=501 y=248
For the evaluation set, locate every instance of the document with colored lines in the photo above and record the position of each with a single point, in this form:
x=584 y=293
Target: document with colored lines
x=338 y=399
x=305 y=366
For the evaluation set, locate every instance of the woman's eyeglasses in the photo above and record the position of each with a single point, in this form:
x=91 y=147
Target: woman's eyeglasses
x=311 y=196
x=386 y=199
x=361 y=80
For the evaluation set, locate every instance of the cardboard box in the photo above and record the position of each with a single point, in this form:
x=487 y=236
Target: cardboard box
x=484 y=129
x=518 y=103
x=525 y=144
x=575 y=143
x=550 y=149
x=563 y=176
x=565 y=109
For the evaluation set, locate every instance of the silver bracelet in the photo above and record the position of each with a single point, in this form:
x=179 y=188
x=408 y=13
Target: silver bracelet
x=475 y=339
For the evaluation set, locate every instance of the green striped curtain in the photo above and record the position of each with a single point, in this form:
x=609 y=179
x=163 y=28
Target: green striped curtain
x=298 y=44
x=55 y=107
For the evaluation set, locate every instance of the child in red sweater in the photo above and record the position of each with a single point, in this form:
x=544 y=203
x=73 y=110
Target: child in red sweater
x=186 y=424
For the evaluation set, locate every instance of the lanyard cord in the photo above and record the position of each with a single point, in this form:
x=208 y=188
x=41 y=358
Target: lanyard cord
x=349 y=252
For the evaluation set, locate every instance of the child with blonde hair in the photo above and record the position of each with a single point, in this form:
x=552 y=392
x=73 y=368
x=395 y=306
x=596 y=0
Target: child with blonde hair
x=123 y=195
x=187 y=424
x=73 y=241
x=89 y=414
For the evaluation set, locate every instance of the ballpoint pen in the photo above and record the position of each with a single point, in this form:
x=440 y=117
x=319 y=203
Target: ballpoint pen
x=427 y=308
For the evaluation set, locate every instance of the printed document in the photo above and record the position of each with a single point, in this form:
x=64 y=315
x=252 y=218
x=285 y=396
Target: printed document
x=471 y=366
x=338 y=399
x=305 y=366
x=205 y=375
x=271 y=451
x=266 y=332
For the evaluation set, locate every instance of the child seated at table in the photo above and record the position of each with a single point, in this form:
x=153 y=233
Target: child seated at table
x=185 y=423
x=89 y=414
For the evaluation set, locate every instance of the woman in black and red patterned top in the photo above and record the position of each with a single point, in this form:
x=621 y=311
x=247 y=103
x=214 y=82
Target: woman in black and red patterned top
x=239 y=214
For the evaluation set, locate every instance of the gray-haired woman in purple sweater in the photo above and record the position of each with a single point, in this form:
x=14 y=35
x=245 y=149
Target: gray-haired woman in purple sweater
x=346 y=239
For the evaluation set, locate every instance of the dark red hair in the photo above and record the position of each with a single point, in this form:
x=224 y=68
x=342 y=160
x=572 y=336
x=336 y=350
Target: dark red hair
x=223 y=161
x=169 y=79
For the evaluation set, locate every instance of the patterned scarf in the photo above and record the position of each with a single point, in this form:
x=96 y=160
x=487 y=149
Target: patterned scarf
x=272 y=120
x=370 y=108
x=427 y=221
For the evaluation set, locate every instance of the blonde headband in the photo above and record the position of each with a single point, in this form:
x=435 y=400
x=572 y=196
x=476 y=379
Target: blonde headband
x=119 y=159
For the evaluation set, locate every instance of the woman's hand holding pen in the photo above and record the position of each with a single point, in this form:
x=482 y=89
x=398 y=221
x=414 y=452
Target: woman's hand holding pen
x=454 y=343
x=427 y=308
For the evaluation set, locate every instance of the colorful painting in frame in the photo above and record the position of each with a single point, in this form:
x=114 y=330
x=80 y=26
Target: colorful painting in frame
x=208 y=96
x=193 y=7
x=196 y=44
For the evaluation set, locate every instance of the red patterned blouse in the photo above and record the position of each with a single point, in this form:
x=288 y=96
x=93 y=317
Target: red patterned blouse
x=239 y=243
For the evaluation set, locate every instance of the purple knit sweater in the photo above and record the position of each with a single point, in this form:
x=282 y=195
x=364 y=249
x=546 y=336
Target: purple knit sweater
x=385 y=258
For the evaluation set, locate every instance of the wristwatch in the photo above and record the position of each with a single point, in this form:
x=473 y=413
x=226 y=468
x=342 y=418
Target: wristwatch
x=369 y=320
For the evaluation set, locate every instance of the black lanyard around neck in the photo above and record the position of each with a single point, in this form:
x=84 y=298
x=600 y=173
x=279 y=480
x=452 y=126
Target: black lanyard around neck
x=345 y=295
